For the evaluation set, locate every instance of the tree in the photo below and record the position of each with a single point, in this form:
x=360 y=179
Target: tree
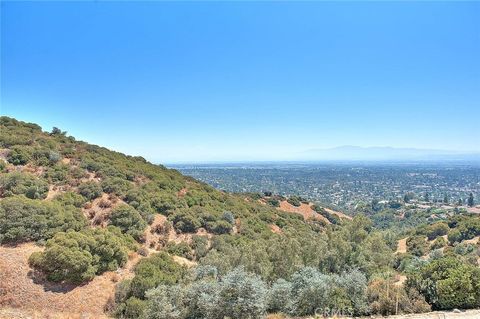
x=448 y=283
x=164 y=302
x=242 y=295
x=158 y=269
x=387 y=298
x=426 y=197
x=437 y=229
x=408 y=197
x=417 y=245
x=445 y=199
x=470 y=201
x=279 y=296
x=57 y=131
x=439 y=243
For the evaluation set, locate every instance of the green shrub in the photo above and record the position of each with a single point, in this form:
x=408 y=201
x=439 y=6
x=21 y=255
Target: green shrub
x=185 y=221
x=44 y=156
x=132 y=308
x=23 y=219
x=466 y=229
x=219 y=227
x=436 y=230
x=71 y=198
x=417 y=245
x=273 y=202
x=128 y=220
x=200 y=246
x=20 y=155
x=295 y=200
x=17 y=183
x=78 y=256
x=90 y=190
x=164 y=204
x=455 y=236
x=440 y=242
x=153 y=271
x=57 y=173
x=116 y=185
x=181 y=249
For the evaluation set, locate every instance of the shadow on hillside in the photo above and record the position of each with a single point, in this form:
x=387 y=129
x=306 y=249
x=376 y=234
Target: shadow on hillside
x=59 y=287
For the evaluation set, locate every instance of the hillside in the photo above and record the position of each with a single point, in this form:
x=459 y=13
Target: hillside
x=89 y=232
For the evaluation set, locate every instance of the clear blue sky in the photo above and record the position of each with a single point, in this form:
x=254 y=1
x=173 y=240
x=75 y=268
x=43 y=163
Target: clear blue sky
x=245 y=81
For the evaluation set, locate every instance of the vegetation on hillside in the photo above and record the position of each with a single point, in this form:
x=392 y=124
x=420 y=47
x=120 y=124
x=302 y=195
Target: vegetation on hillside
x=91 y=207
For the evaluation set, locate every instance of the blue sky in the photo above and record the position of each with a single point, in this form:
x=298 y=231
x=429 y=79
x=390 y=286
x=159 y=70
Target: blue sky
x=184 y=81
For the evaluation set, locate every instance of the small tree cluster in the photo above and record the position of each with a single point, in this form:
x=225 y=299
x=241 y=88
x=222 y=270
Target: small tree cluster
x=243 y=295
x=17 y=183
x=448 y=283
x=129 y=220
x=23 y=219
x=78 y=256
x=90 y=190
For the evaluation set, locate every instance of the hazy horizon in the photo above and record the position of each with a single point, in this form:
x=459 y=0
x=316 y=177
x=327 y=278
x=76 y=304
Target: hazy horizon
x=202 y=82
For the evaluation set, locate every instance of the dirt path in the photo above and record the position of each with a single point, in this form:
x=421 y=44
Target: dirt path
x=21 y=295
x=402 y=246
x=469 y=314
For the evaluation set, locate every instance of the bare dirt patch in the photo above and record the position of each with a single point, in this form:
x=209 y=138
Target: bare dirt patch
x=402 y=246
x=275 y=229
x=472 y=241
x=475 y=210
x=304 y=209
x=339 y=214
x=53 y=191
x=182 y=192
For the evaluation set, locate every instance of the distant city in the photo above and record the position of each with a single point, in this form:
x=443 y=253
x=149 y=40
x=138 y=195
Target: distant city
x=344 y=185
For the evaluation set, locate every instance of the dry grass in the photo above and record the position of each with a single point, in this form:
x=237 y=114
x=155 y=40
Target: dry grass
x=275 y=229
x=304 y=209
x=402 y=246
x=339 y=214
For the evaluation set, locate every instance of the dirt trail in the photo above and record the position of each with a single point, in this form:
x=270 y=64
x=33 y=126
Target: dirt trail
x=468 y=314
x=21 y=294
x=402 y=246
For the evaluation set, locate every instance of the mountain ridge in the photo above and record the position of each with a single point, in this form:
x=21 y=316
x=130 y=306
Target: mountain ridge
x=385 y=153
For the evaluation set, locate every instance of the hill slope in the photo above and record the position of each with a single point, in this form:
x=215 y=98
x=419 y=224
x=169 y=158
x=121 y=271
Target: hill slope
x=79 y=222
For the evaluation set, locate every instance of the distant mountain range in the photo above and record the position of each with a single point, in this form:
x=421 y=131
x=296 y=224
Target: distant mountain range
x=357 y=153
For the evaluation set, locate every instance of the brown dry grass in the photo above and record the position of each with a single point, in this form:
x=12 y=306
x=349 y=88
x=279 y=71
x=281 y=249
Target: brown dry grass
x=304 y=209
x=275 y=229
x=475 y=210
x=402 y=246
x=184 y=261
x=339 y=214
